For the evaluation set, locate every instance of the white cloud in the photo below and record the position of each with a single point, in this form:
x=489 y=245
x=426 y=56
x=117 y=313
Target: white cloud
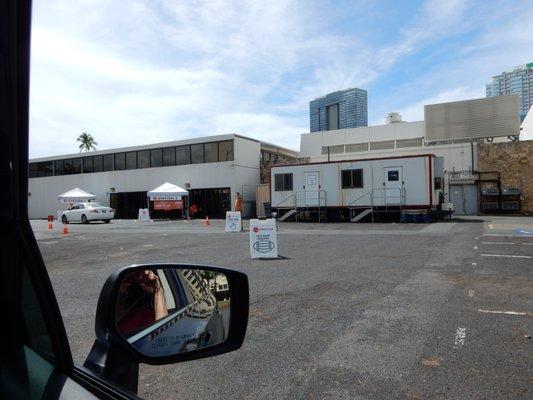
x=275 y=129
x=148 y=71
x=203 y=65
x=415 y=112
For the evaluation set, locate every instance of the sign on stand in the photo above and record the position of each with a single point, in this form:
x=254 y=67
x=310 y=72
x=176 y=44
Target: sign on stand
x=168 y=205
x=263 y=238
x=144 y=215
x=233 y=221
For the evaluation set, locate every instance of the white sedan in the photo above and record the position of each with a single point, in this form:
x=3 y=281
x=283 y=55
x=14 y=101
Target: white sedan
x=85 y=212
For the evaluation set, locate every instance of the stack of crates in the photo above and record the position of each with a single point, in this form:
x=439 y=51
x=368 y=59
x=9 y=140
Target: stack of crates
x=415 y=216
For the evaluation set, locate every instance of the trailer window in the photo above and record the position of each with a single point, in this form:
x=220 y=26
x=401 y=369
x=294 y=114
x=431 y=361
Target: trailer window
x=393 y=176
x=282 y=182
x=352 y=178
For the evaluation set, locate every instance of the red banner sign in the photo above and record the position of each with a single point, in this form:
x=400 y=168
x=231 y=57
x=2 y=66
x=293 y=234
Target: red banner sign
x=167 y=205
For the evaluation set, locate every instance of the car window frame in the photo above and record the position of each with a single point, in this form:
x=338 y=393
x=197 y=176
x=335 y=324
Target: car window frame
x=15 y=18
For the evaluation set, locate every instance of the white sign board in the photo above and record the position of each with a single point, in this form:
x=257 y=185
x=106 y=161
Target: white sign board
x=233 y=221
x=144 y=215
x=166 y=197
x=263 y=238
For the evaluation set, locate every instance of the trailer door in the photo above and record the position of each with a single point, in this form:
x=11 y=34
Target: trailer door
x=393 y=183
x=312 y=187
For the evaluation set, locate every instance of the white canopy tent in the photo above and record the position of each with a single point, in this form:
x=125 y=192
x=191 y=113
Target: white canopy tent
x=167 y=192
x=76 y=195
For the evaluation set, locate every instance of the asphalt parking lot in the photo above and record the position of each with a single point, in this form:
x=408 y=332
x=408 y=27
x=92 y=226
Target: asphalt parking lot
x=353 y=311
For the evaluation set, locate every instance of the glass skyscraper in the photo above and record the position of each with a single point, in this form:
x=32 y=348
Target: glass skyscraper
x=339 y=110
x=519 y=82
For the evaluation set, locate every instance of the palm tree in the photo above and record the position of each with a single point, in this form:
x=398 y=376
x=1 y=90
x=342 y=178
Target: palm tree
x=87 y=142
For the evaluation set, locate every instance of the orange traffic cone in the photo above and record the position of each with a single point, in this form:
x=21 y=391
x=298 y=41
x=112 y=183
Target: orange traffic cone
x=50 y=226
x=206 y=222
x=65 y=229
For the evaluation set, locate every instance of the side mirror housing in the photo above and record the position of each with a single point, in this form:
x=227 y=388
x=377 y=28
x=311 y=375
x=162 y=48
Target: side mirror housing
x=166 y=313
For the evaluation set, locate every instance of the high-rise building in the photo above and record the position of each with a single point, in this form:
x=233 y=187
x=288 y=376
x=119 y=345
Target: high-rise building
x=339 y=110
x=519 y=82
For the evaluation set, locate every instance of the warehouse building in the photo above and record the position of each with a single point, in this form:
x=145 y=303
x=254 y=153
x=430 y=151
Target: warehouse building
x=211 y=168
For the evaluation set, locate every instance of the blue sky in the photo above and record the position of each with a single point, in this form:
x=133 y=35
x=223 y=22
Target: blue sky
x=140 y=72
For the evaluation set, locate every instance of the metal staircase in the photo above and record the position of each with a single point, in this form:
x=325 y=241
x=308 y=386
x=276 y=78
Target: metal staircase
x=352 y=207
x=361 y=215
x=287 y=215
x=303 y=204
x=382 y=200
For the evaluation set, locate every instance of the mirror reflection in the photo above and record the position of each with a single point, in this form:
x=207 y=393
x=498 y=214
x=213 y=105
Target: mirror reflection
x=166 y=311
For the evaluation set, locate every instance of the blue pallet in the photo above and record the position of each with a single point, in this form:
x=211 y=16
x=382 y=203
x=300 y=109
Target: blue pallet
x=407 y=218
x=415 y=218
x=423 y=218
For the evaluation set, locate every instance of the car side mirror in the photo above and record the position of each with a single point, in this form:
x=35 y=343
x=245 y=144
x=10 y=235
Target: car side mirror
x=166 y=313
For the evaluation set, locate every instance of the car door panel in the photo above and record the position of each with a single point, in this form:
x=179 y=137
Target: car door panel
x=18 y=249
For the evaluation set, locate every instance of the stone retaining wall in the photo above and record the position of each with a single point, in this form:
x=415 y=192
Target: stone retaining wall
x=514 y=161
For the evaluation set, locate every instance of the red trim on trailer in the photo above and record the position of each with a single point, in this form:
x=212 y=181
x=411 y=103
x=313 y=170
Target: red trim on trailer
x=430 y=182
x=269 y=183
x=353 y=160
x=413 y=206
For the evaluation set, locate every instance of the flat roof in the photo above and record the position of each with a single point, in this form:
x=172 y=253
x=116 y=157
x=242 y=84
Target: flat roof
x=361 y=128
x=183 y=142
x=338 y=91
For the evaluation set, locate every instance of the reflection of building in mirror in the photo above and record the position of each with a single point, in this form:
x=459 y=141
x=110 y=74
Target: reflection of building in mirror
x=219 y=287
x=198 y=283
x=167 y=311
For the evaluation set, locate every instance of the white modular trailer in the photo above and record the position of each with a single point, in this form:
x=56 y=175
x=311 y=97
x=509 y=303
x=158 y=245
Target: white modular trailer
x=409 y=181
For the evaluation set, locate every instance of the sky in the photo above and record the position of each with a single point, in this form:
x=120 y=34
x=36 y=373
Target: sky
x=138 y=72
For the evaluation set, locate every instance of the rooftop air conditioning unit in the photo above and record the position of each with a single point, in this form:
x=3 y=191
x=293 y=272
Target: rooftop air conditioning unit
x=393 y=118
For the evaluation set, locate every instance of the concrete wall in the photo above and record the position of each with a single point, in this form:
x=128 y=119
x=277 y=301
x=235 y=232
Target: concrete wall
x=514 y=161
x=244 y=170
x=457 y=156
x=311 y=143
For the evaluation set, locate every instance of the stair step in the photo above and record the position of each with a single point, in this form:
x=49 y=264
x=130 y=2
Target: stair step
x=361 y=215
x=287 y=215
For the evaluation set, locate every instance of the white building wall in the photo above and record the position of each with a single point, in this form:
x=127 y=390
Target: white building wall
x=415 y=174
x=457 y=156
x=244 y=170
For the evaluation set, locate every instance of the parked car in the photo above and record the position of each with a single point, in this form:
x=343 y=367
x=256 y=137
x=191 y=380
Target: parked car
x=86 y=212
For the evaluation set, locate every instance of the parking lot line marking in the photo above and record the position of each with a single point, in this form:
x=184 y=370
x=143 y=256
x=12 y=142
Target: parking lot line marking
x=505 y=235
x=471 y=293
x=505 y=255
x=527 y=244
x=460 y=336
x=498 y=243
x=148 y=245
x=503 y=312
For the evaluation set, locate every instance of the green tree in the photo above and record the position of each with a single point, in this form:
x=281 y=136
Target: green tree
x=87 y=142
